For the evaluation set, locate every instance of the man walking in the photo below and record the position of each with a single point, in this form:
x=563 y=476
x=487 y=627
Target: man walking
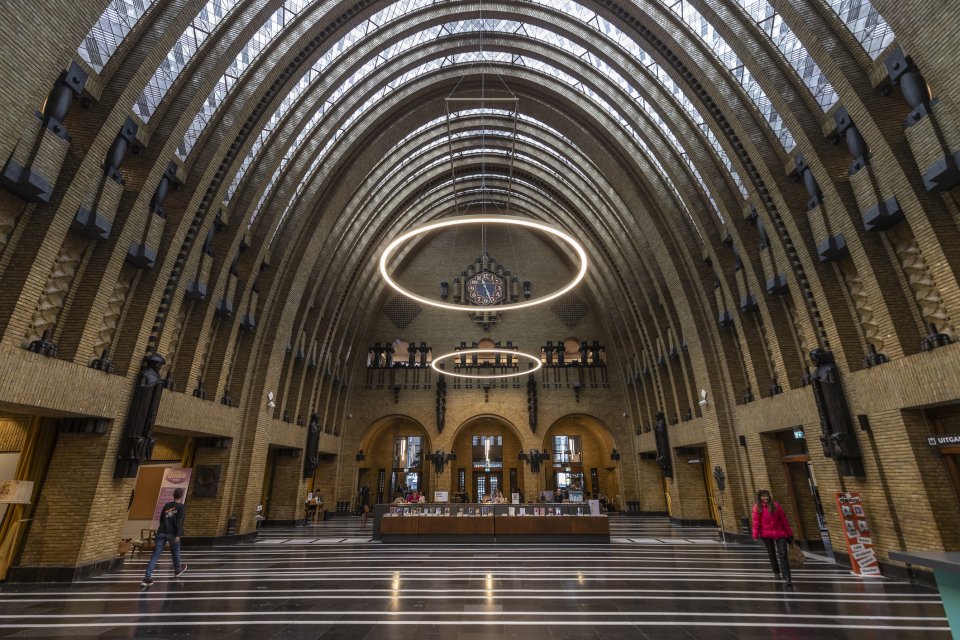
x=170 y=528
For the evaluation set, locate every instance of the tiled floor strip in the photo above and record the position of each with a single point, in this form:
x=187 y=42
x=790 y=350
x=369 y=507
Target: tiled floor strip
x=329 y=580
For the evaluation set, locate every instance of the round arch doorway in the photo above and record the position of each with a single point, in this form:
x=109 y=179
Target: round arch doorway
x=392 y=463
x=487 y=460
x=581 y=459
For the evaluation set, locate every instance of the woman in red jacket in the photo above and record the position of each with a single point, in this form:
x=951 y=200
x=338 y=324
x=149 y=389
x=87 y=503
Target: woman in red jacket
x=770 y=525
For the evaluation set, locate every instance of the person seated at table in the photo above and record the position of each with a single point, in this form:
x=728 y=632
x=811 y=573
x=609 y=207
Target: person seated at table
x=415 y=496
x=485 y=499
x=498 y=497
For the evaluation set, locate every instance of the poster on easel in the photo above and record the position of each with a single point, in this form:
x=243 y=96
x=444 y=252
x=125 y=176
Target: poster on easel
x=856 y=531
x=172 y=479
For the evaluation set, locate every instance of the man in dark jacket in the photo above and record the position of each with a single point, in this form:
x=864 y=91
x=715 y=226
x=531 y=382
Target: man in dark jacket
x=170 y=528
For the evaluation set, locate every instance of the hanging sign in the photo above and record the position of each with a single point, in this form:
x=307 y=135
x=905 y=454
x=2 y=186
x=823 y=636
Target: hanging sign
x=863 y=559
x=944 y=441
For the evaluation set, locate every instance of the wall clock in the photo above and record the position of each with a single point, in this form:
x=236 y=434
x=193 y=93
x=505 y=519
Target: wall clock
x=485 y=288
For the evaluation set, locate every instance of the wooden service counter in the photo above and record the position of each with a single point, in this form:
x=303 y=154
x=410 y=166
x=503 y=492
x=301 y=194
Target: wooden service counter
x=431 y=522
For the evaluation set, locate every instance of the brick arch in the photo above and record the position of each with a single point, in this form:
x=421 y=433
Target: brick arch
x=379 y=427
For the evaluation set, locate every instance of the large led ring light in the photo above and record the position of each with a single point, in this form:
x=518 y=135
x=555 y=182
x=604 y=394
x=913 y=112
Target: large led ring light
x=465 y=220
x=476 y=376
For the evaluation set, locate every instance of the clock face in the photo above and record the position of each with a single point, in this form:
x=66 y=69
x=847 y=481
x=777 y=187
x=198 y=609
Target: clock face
x=485 y=288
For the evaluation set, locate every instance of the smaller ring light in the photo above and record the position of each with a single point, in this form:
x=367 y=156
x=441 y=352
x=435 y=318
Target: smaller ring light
x=462 y=352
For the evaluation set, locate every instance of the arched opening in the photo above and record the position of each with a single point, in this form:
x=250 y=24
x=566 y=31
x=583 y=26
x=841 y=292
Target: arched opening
x=488 y=460
x=391 y=460
x=583 y=458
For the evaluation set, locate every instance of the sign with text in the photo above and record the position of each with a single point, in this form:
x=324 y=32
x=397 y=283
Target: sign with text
x=441 y=496
x=172 y=479
x=942 y=441
x=853 y=518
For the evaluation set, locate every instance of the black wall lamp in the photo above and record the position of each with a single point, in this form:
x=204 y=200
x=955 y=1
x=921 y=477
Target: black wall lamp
x=440 y=458
x=360 y=456
x=533 y=458
x=615 y=455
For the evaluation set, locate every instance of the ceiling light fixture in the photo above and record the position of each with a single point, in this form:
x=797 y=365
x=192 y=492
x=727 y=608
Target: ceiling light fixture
x=493 y=220
x=476 y=376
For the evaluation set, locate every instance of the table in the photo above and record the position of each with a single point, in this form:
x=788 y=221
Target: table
x=946 y=569
x=432 y=522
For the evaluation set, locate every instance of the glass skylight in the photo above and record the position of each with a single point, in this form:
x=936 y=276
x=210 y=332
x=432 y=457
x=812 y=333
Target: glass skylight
x=865 y=23
x=701 y=27
x=264 y=36
x=117 y=21
x=772 y=23
x=179 y=57
x=460 y=27
x=466 y=59
x=270 y=30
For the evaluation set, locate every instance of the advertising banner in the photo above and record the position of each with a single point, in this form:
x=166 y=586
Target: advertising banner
x=172 y=478
x=853 y=518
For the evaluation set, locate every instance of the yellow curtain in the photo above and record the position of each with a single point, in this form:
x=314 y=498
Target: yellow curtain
x=666 y=496
x=189 y=453
x=32 y=465
x=708 y=485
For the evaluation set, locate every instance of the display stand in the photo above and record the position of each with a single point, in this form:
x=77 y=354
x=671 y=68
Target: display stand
x=568 y=522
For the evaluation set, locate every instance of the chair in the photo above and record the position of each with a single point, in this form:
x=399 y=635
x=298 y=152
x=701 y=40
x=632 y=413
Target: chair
x=366 y=514
x=146 y=542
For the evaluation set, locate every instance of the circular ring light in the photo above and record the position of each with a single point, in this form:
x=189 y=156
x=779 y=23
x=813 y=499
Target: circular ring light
x=473 y=376
x=502 y=220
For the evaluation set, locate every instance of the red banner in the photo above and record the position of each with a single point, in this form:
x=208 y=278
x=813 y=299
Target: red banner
x=853 y=519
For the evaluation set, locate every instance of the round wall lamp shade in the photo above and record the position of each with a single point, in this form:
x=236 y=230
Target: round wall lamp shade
x=476 y=376
x=510 y=221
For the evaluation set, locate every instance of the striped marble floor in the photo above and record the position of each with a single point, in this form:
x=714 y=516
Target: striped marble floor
x=328 y=580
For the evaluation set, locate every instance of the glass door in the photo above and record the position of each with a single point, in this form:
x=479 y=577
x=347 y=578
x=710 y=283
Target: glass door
x=486 y=483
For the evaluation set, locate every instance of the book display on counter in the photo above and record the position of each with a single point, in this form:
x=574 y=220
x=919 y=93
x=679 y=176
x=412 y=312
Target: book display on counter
x=568 y=522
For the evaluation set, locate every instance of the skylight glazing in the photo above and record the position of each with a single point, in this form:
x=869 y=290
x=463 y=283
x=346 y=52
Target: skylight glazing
x=252 y=49
x=772 y=23
x=706 y=32
x=865 y=23
x=481 y=112
x=461 y=27
x=180 y=55
x=117 y=21
x=630 y=46
x=466 y=59
x=613 y=75
x=273 y=26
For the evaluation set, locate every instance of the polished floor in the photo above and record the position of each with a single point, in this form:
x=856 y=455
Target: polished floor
x=328 y=580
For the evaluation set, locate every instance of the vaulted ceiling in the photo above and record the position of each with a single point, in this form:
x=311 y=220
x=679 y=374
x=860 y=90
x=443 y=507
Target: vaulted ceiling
x=681 y=140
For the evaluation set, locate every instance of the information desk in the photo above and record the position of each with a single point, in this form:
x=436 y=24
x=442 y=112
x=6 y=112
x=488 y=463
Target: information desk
x=433 y=522
x=946 y=570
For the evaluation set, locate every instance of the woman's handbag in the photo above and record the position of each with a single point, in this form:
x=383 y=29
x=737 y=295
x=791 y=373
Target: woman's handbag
x=795 y=555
